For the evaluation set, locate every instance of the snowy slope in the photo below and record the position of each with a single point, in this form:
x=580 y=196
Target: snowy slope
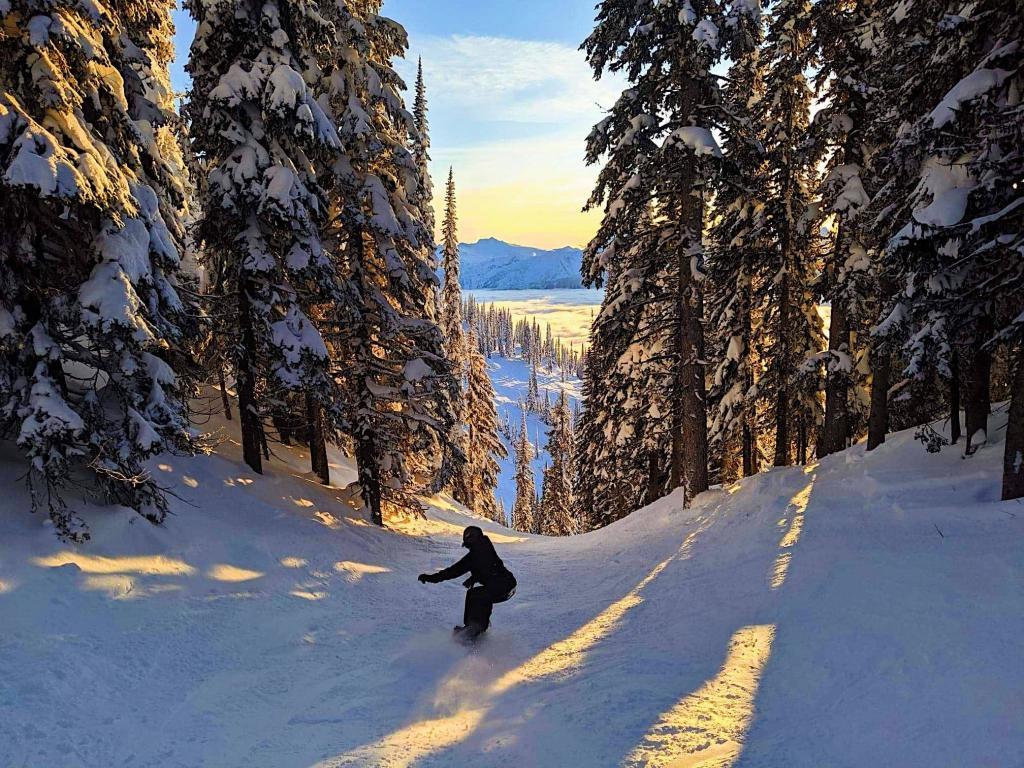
x=497 y=265
x=866 y=611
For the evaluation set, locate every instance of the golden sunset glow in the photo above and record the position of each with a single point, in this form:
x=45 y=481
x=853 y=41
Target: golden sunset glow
x=548 y=216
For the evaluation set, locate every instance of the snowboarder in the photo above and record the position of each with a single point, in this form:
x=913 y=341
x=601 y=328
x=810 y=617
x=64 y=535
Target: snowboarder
x=495 y=583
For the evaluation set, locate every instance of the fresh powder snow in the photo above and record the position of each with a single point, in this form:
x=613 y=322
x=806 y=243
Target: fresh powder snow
x=866 y=610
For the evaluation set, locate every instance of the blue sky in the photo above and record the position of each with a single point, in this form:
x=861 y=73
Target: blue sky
x=511 y=103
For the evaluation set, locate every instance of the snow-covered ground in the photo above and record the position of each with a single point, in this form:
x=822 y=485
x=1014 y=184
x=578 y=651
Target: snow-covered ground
x=865 y=611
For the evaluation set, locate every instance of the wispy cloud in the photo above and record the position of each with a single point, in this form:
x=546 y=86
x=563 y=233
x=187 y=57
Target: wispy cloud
x=512 y=117
x=514 y=80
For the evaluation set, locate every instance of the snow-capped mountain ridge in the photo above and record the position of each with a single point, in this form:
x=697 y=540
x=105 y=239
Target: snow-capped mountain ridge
x=492 y=264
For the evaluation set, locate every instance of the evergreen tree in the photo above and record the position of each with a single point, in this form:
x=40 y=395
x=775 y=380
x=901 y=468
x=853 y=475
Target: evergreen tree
x=94 y=330
x=843 y=43
x=954 y=248
x=423 y=198
x=561 y=512
x=421 y=153
x=263 y=135
x=456 y=345
x=451 y=305
x=624 y=436
x=398 y=382
x=483 y=444
x=735 y=267
x=657 y=145
x=533 y=390
x=792 y=334
x=524 y=508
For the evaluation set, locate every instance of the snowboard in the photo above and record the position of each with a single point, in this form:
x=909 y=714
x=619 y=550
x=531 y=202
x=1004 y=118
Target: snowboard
x=467 y=638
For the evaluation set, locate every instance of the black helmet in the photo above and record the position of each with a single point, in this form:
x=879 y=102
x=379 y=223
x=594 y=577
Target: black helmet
x=471 y=535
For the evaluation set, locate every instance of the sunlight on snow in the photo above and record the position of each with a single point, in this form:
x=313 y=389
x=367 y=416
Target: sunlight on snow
x=308 y=595
x=707 y=727
x=119 y=586
x=356 y=571
x=568 y=654
x=431 y=526
x=5 y=587
x=152 y=565
x=408 y=745
x=798 y=505
x=293 y=562
x=232 y=573
x=327 y=519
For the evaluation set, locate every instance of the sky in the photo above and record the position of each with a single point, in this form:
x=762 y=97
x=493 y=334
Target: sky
x=511 y=103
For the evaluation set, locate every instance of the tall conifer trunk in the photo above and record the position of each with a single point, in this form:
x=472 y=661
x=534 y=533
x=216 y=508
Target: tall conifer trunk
x=750 y=463
x=317 y=440
x=881 y=378
x=369 y=479
x=954 y=398
x=1013 y=460
x=881 y=375
x=689 y=426
x=836 y=428
x=224 y=399
x=248 y=412
x=782 y=436
x=978 y=403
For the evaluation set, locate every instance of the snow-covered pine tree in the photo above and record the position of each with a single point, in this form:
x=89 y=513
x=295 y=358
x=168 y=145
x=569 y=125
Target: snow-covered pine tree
x=263 y=137
x=483 y=444
x=533 y=389
x=624 y=442
x=91 y=319
x=399 y=385
x=524 y=507
x=792 y=336
x=561 y=510
x=735 y=260
x=844 y=32
x=957 y=243
x=421 y=153
x=452 y=328
x=451 y=303
x=657 y=144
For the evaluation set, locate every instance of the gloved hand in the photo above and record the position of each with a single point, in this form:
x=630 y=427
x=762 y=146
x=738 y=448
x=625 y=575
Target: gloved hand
x=468 y=583
x=424 y=578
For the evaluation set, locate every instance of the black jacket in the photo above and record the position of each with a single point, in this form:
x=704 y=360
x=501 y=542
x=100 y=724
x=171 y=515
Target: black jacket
x=484 y=565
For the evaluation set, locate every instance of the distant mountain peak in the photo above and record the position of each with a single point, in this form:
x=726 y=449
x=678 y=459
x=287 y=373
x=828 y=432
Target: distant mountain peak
x=493 y=264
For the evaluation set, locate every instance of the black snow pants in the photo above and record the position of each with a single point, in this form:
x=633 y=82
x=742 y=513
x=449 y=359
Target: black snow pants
x=480 y=600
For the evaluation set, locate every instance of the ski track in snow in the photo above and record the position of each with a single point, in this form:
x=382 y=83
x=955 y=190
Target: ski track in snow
x=805 y=617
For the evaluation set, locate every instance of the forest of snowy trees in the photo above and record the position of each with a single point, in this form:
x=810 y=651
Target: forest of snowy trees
x=272 y=241
x=864 y=156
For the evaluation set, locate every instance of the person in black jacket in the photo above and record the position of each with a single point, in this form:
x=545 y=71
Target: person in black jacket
x=494 y=582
